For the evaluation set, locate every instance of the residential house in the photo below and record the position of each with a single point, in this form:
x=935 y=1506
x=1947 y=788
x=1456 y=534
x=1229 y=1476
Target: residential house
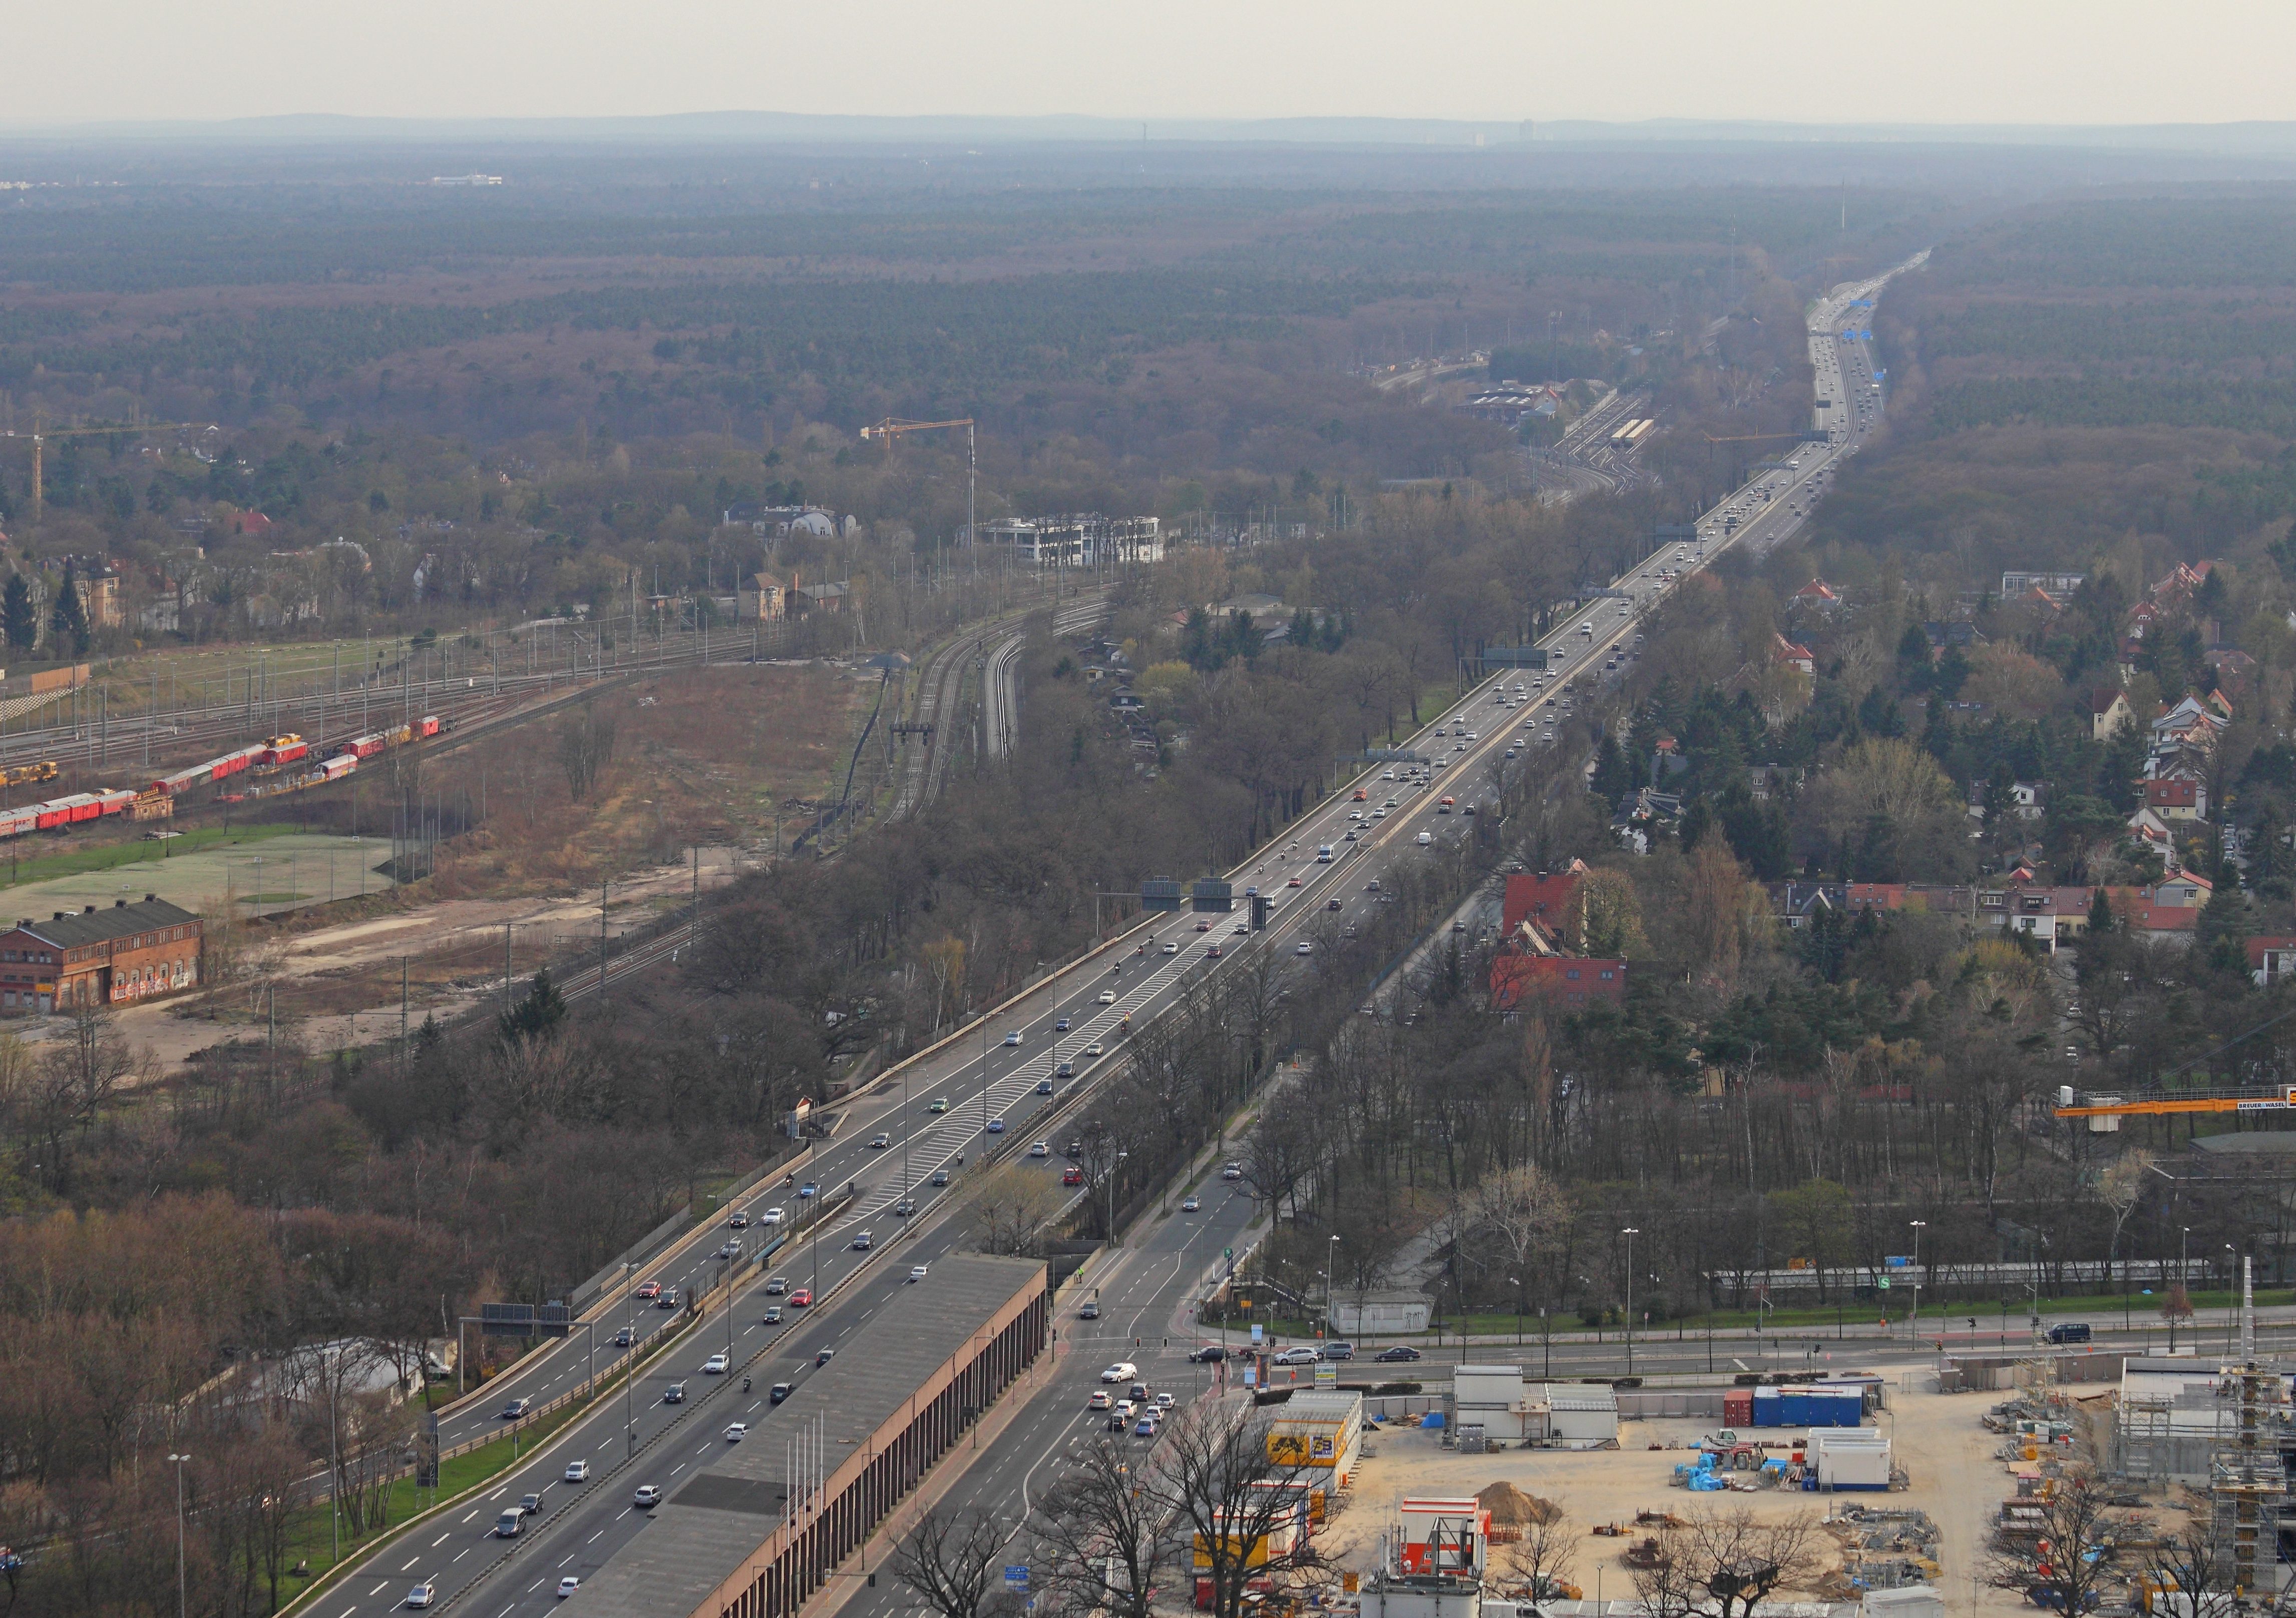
x=2235 y=670
x=1566 y=980
x=2060 y=586
x=2178 y=889
x=1645 y=814
x=1815 y=597
x=2178 y=798
x=763 y=599
x=1795 y=654
x=818 y=597
x=99 y=957
x=2271 y=959
x=1765 y=782
x=2108 y=712
x=1796 y=902
x=2153 y=834
x=1550 y=899
x=2141 y=915
x=2049 y=916
x=1944 y=635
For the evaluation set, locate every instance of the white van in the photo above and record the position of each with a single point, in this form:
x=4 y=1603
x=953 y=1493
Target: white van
x=1426 y=838
x=1324 y=854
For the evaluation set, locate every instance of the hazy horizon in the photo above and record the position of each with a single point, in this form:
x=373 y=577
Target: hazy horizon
x=2049 y=64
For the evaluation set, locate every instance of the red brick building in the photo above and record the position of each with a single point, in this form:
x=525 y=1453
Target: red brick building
x=1569 y=980
x=99 y=957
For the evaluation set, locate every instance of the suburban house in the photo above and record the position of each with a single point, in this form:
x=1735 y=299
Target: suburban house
x=2271 y=959
x=1542 y=921
x=1796 y=654
x=1566 y=980
x=1816 y=597
x=99 y=957
x=2181 y=799
x=763 y=598
x=2108 y=712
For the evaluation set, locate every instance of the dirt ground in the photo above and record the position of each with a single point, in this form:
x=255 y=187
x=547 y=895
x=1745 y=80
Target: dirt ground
x=1937 y=1439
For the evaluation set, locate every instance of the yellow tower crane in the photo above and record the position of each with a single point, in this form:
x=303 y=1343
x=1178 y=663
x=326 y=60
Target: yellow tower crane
x=41 y=433
x=892 y=429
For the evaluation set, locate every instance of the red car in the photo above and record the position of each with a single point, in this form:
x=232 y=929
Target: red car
x=802 y=1298
x=1072 y=1177
x=1292 y=883
x=652 y=1289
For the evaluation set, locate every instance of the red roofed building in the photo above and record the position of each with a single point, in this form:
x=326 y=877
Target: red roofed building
x=1563 y=980
x=2271 y=959
x=1548 y=899
x=248 y=523
x=2139 y=914
x=1800 y=656
x=2178 y=798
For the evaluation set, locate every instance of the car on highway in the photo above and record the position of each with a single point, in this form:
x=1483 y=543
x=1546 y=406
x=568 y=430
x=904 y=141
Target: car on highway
x=1061 y=1026
x=528 y=1504
x=1292 y=883
x=1165 y=1401
x=1211 y=1353
x=646 y=1497
x=510 y=1525
x=1204 y=926
x=668 y=1299
x=917 y=1272
x=1100 y=1400
x=939 y=1104
x=1302 y=1355
x=1334 y=904
x=995 y=1126
x=1303 y=947
x=1211 y=952
x=739 y=1221
x=802 y=1298
x=736 y=1431
x=516 y=1409
x=904 y=1208
x=1040 y=1148
x=863 y=1241
x=650 y=1289
x=422 y=1594
x=1045 y=1086
x=771 y=1216
x=715 y=1366
x=1073 y=1175
x=1424 y=840
x=1169 y=948
x=1399 y=1354
x=808 y=1191
x=568 y=1585
x=625 y=1338
x=824 y=1357
x=880 y=1141
x=1338 y=1350
x=578 y=1472
x=939 y=1178
x=729 y=1250
x=773 y=1315
x=1190 y=1203
x=674 y=1394
x=1094 y=1049
x=1089 y=1311
x=780 y=1390
x=1231 y=1171
x=777 y=1287
x=1145 y=1427
x=1123 y=1370
x=1013 y=1038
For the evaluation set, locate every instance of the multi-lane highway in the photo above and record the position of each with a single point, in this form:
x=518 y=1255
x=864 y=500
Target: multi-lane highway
x=908 y=1142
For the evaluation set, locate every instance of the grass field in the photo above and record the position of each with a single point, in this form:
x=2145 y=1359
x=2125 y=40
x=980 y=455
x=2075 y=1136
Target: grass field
x=280 y=866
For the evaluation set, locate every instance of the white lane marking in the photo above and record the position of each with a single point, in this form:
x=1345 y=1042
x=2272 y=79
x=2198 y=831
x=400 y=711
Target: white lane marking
x=538 y=1583
x=674 y=1471
x=379 y=1588
x=411 y=1561
x=462 y=1553
x=474 y=1515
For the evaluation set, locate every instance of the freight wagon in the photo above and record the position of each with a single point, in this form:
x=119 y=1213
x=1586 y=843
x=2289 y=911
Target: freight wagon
x=367 y=745
x=281 y=750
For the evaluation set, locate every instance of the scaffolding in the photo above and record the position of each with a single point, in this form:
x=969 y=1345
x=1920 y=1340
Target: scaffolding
x=2248 y=1486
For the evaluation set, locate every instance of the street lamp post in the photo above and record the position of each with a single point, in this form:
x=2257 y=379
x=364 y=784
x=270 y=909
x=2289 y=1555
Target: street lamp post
x=630 y=1364
x=1630 y=1233
x=179 y=1460
x=1914 y=1329
x=2183 y=1269
x=1331 y=1285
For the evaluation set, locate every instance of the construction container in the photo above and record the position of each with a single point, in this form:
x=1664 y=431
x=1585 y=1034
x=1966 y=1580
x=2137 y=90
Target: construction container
x=1769 y=1407
x=1738 y=1408
x=1846 y=1460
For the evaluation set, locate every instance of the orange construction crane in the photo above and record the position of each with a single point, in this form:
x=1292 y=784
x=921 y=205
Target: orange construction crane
x=892 y=429
x=41 y=433
x=2280 y=1099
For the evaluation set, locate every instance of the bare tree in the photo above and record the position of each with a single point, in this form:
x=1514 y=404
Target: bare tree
x=1106 y=1539
x=1518 y=1215
x=1545 y=1557
x=2024 y=1556
x=2190 y=1565
x=1212 y=1472
x=1011 y=1209
x=2120 y=1188
x=951 y=1560
x=1725 y=1563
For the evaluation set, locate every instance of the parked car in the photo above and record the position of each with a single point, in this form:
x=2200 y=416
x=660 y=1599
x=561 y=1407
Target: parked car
x=1337 y=1350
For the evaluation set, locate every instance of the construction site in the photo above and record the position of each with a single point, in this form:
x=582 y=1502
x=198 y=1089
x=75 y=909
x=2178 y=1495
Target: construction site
x=1483 y=1491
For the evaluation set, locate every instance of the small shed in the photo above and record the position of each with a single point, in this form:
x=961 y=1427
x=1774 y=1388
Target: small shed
x=1850 y=1458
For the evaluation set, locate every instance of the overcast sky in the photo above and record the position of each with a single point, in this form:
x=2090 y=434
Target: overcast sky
x=2076 y=61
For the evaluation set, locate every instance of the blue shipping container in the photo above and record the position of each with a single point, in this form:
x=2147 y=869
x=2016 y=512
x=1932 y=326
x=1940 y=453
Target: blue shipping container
x=1767 y=1413
x=1793 y=1408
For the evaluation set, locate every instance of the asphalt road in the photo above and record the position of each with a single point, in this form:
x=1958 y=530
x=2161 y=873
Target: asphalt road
x=896 y=1137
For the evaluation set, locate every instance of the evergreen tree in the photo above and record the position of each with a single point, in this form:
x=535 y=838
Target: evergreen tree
x=68 y=617
x=2101 y=921
x=19 y=620
x=2269 y=861
x=535 y=1018
x=1614 y=775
